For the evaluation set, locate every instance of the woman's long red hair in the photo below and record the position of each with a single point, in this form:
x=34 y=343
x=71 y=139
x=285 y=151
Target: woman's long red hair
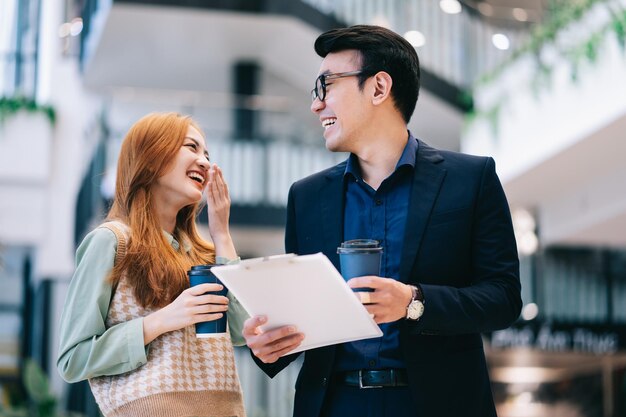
x=153 y=268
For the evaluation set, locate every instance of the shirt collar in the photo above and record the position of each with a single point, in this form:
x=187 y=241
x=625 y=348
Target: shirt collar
x=408 y=157
x=409 y=154
x=175 y=244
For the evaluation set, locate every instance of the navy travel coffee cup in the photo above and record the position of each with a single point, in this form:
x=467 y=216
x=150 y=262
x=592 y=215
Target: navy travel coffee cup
x=201 y=274
x=360 y=257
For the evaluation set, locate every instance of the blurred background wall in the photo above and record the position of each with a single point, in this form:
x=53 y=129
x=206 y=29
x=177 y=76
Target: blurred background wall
x=537 y=84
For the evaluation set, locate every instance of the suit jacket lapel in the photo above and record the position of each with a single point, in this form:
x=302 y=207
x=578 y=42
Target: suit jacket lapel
x=427 y=180
x=332 y=201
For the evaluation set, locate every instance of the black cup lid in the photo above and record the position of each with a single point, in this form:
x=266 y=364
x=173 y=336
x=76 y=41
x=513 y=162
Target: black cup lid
x=360 y=245
x=200 y=269
x=208 y=266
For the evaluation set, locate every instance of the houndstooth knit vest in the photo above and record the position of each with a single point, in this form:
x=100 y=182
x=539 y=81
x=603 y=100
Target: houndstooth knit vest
x=184 y=375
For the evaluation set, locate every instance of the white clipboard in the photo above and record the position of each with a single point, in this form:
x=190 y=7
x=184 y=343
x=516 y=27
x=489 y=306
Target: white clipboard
x=306 y=291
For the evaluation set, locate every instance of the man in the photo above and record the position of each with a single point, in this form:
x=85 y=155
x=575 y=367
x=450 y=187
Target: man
x=449 y=271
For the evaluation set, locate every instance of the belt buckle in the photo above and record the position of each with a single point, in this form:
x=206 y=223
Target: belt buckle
x=361 y=386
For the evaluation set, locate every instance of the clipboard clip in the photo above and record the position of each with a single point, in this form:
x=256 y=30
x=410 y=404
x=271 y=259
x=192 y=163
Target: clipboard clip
x=248 y=263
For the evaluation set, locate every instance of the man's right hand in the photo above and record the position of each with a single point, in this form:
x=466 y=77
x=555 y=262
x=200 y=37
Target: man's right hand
x=270 y=345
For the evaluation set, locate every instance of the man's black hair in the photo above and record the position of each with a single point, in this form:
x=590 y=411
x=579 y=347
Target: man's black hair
x=381 y=50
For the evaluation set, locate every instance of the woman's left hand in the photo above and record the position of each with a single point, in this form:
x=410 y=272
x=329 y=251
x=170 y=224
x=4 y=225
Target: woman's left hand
x=218 y=207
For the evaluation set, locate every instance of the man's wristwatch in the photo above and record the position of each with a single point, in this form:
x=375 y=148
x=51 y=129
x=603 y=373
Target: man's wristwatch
x=415 y=309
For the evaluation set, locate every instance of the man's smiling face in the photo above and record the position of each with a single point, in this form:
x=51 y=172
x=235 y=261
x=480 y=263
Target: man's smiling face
x=344 y=112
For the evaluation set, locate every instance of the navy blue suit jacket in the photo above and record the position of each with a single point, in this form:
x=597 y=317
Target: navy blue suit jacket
x=459 y=246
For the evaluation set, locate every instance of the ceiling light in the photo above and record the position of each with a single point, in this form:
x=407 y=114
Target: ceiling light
x=526 y=374
x=523 y=220
x=500 y=41
x=76 y=26
x=527 y=243
x=520 y=14
x=450 y=6
x=415 y=38
x=530 y=311
x=485 y=8
x=64 y=30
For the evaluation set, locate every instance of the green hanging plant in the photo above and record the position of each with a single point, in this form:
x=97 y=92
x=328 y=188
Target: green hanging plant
x=9 y=106
x=618 y=24
x=468 y=120
x=466 y=99
x=565 y=12
x=592 y=45
x=493 y=116
x=542 y=80
x=587 y=50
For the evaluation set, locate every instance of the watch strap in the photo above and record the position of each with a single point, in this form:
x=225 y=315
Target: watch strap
x=417 y=293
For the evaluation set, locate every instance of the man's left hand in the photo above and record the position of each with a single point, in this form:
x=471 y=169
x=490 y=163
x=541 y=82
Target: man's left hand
x=388 y=301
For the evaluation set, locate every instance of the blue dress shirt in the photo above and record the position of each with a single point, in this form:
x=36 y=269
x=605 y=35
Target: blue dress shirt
x=381 y=215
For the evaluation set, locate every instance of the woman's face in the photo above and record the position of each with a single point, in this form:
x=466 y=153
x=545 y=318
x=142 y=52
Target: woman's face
x=186 y=179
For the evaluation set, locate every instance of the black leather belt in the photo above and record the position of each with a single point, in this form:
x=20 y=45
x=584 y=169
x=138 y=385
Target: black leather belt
x=373 y=378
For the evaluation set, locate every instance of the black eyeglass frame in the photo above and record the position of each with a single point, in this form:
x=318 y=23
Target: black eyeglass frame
x=320 y=83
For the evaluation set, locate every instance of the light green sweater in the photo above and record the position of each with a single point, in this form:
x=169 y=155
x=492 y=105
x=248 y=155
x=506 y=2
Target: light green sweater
x=87 y=348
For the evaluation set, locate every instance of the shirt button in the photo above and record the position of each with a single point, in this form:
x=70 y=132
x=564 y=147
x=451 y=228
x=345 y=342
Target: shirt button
x=379 y=202
x=324 y=382
x=372 y=363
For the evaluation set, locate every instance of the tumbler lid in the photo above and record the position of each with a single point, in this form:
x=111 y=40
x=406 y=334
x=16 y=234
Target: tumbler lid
x=360 y=246
x=200 y=269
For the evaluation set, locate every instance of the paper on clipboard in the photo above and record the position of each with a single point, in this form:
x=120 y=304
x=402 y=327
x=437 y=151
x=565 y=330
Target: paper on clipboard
x=306 y=291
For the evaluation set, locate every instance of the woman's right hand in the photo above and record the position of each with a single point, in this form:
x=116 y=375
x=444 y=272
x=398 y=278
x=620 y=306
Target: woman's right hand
x=190 y=307
x=218 y=209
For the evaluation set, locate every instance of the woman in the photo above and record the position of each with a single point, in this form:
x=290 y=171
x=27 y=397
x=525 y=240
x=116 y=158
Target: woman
x=128 y=322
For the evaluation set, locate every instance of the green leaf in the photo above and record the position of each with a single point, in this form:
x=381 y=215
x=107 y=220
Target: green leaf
x=466 y=99
x=574 y=73
x=36 y=383
x=9 y=106
x=618 y=24
x=493 y=117
x=561 y=14
x=47 y=408
x=593 y=45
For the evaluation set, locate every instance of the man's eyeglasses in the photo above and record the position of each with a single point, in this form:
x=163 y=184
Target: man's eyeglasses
x=319 y=91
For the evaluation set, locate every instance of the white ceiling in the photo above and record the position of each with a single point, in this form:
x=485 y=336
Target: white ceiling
x=580 y=192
